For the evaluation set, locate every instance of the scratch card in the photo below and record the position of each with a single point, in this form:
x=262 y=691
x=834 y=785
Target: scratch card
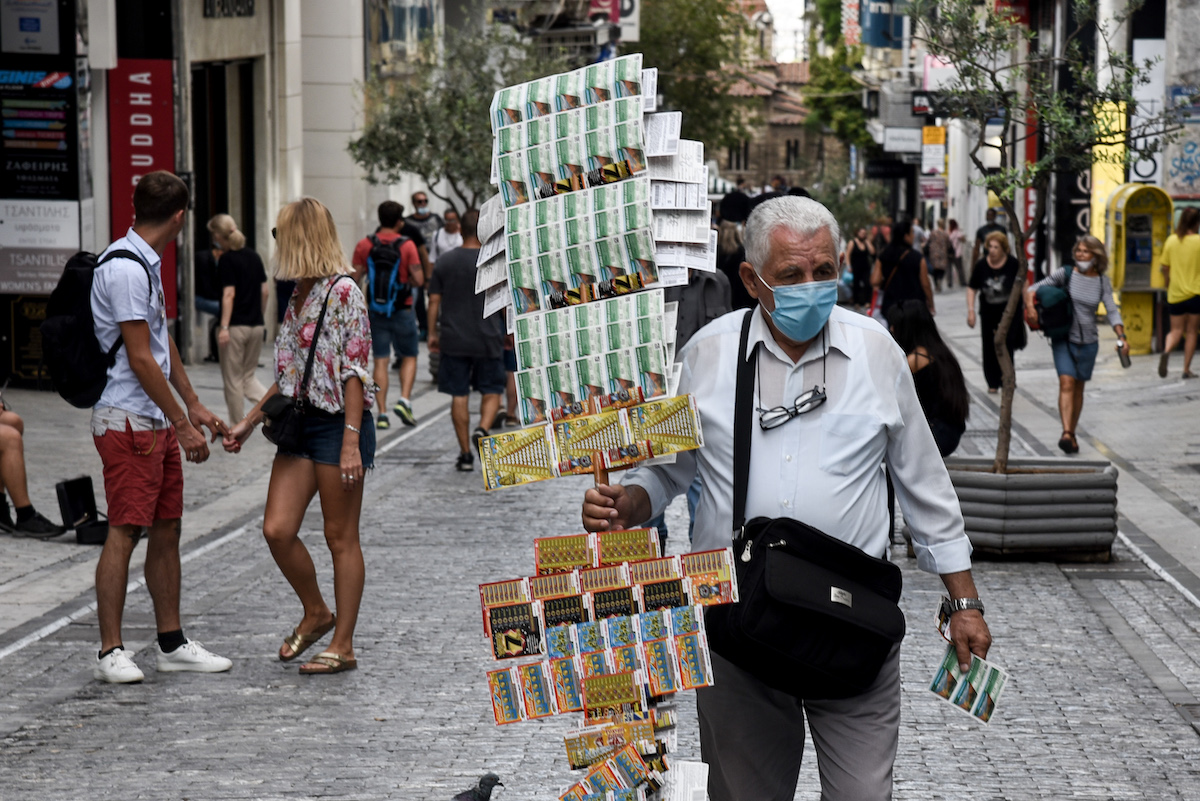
x=566 y=674
x=536 y=690
x=506 y=696
x=515 y=631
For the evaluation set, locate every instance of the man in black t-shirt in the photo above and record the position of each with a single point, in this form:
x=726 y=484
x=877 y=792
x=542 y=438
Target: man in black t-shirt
x=244 y=292
x=981 y=235
x=471 y=347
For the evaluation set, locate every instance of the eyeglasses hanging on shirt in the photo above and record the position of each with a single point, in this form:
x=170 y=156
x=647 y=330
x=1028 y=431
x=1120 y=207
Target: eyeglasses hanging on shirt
x=162 y=307
x=806 y=402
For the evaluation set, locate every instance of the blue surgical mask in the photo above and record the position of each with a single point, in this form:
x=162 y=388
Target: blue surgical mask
x=801 y=310
x=422 y=210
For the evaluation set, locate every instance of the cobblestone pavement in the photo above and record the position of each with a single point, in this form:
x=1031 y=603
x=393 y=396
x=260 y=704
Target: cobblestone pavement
x=1090 y=713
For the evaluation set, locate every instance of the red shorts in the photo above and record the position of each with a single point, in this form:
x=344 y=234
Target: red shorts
x=143 y=476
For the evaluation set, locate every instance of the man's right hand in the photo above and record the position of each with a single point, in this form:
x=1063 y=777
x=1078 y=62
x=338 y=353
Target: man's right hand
x=192 y=442
x=606 y=507
x=432 y=341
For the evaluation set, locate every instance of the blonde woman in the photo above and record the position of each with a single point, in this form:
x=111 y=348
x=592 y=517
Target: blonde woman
x=338 y=439
x=1075 y=354
x=244 y=293
x=992 y=281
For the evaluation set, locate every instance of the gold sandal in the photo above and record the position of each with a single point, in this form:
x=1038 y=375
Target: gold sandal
x=328 y=662
x=299 y=643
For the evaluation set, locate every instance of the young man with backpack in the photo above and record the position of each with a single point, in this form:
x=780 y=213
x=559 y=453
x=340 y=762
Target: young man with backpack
x=392 y=266
x=139 y=429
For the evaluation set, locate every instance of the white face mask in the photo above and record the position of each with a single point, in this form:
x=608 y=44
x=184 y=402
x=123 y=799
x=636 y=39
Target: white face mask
x=1083 y=264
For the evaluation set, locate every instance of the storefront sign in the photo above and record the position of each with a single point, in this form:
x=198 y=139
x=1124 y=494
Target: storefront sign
x=932 y=187
x=229 y=8
x=901 y=140
x=933 y=150
x=851 y=22
x=39 y=134
x=36 y=239
x=29 y=26
x=141 y=135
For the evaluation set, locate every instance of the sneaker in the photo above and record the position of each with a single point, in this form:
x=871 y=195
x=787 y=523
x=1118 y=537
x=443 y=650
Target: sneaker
x=117 y=668
x=383 y=422
x=6 y=521
x=465 y=463
x=403 y=410
x=192 y=657
x=37 y=527
x=477 y=435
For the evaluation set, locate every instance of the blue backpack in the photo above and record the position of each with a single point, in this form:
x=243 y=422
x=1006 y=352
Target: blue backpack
x=387 y=277
x=1055 y=311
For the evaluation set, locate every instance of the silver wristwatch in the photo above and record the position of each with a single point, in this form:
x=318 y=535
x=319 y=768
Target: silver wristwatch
x=959 y=604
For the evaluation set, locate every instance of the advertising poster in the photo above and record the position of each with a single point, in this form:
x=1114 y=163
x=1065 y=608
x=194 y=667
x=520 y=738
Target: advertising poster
x=29 y=26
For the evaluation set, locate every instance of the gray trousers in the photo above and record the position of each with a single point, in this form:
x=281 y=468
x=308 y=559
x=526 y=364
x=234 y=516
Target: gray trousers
x=752 y=737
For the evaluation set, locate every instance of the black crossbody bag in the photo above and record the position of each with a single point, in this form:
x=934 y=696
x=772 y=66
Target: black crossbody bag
x=818 y=616
x=283 y=417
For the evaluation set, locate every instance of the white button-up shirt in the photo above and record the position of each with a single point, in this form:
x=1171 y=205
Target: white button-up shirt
x=822 y=467
x=120 y=294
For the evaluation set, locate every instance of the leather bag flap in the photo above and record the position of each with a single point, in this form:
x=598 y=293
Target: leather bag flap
x=804 y=584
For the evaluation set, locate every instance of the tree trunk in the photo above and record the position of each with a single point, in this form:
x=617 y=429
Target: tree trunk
x=1008 y=372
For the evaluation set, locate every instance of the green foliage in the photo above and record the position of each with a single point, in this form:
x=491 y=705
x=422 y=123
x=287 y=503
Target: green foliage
x=694 y=44
x=830 y=14
x=854 y=206
x=438 y=125
x=833 y=96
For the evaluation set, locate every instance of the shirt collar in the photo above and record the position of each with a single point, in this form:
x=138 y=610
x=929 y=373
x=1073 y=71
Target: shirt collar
x=834 y=333
x=143 y=248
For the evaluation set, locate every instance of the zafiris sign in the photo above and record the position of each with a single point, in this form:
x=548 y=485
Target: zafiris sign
x=38 y=79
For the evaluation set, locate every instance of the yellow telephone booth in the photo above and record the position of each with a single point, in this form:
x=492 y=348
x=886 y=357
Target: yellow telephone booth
x=1137 y=222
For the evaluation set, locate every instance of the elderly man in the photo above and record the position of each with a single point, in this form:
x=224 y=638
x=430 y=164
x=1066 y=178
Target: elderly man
x=821 y=466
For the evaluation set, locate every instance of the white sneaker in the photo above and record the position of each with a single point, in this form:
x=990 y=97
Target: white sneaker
x=193 y=657
x=117 y=668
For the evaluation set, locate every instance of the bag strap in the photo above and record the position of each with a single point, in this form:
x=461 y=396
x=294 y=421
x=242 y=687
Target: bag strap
x=127 y=254
x=312 y=349
x=895 y=270
x=743 y=420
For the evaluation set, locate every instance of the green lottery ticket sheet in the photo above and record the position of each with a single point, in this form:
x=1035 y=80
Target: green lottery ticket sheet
x=977 y=692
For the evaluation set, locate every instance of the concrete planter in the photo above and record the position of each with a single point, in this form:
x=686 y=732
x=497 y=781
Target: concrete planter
x=1053 y=508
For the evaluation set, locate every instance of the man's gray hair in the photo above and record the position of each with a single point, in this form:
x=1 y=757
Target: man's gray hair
x=803 y=215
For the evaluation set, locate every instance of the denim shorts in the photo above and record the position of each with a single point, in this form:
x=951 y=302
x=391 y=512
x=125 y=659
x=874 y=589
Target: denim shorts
x=1076 y=361
x=457 y=375
x=399 y=331
x=323 y=439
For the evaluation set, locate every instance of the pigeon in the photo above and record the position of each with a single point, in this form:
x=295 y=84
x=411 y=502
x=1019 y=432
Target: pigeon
x=481 y=791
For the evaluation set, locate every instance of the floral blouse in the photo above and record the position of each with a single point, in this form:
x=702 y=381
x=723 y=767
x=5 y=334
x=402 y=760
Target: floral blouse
x=343 y=350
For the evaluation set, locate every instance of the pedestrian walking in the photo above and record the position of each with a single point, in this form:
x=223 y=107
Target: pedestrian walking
x=425 y=223
x=208 y=294
x=327 y=327
x=139 y=428
x=1087 y=284
x=937 y=376
x=244 y=293
x=391 y=263
x=901 y=273
x=860 y=255
x=938 y=252
x=1181 y=271
x=992 y=281
x=957 y=239
x=981 y=233
x=734 y=209
x=29 y=522
x=446 y=238
x=815 y=458
x=920 y=237
x=471 y=346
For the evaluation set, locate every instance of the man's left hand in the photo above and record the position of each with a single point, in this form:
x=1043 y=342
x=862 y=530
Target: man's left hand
x=970 y=635
x=198 y=415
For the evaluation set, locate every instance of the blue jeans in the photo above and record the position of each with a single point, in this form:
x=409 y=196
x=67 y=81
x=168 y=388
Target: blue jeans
x=208 y=306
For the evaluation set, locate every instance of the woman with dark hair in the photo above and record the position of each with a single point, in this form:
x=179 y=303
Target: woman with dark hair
x=900 y=272
x=1075 y=354
x=937 y=376
x=992 y=280
x=1181 y=270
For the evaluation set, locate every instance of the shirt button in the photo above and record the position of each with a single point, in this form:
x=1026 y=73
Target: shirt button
x=786 y=504
x=787 y=458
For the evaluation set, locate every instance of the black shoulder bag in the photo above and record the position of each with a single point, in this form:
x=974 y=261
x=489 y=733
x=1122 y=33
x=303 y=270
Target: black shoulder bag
x=818 y=616
x=283 y=417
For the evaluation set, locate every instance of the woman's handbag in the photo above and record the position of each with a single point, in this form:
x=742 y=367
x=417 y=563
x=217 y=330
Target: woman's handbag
x=817 y=617
x=283 y=417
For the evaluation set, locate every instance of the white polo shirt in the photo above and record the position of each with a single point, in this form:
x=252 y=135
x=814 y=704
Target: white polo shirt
x=120 y=294
x=822 y=467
